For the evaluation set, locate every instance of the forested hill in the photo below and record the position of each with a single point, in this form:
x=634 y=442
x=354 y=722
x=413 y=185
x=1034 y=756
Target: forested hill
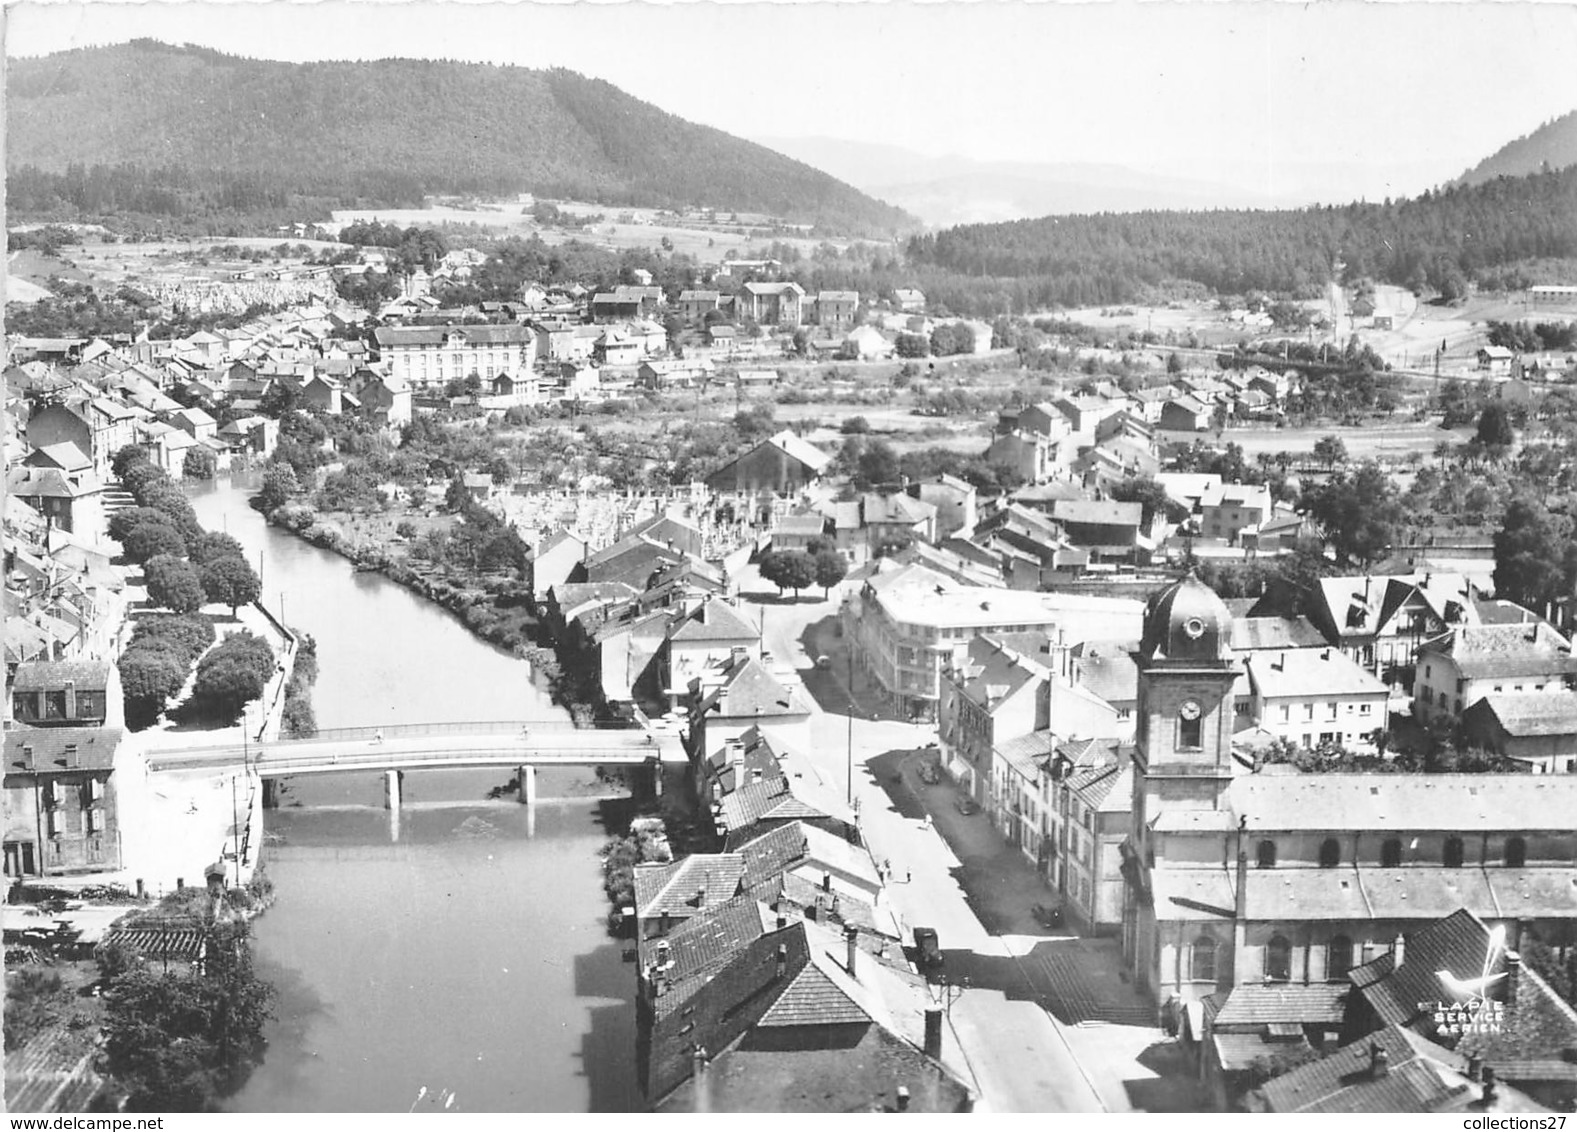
x=1553 y=145
x=190 y=126
x=1486 y=233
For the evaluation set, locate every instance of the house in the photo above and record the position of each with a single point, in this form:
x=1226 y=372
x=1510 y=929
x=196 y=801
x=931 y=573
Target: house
x=1258 y=1024
x=1185 y=414
x=895 y=516
x=99 y=428
x=988 y=695
x=1380 y=621
x=747 y=694
x=954 y=500
x=1508 y=1030
x=70 y=503
x=1030 y=455
x=1040 y=419
x=386 y=399
x=714 y=635
x=553 y=560
x=867 y=344
x=615 y=306
x=61 y=803
x=1534 y=729
x=904 y=625
x=800 y=1019
x=675 y=374
x=256 y=436
x=198 y=424
x=836 y=310
x=1495 y=360
x=615 y=347
x=1390 y=1071
x=1455 y=671
x=1226 y=510
x=430 y=357
x=771 y=304
x=797 y=532
x=79 y=693
x=910 y=300
x=1096 y=804
x=783 y=463
x=1108 y=528
x=694 y=305
x=1315 y=697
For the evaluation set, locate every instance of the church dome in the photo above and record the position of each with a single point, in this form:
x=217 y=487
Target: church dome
x=1187 y=622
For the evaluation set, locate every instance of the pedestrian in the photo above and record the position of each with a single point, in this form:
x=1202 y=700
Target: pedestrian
x=377 y=736
x=926 y=824
x=907 y=876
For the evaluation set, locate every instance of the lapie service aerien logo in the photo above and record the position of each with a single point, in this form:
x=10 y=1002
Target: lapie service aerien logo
x=1468 y=1006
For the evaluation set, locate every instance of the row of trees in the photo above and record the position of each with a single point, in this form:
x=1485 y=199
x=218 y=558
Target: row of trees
x=795 y=570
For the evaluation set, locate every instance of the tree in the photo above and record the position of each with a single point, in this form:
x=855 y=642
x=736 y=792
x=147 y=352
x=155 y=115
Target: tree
x=125 y=457
x=149 y=677
x=151 y=539
x=231 y=581
x=174 y=584
x=1494 y=427
x=214 y=544
x=1330 y=451
x=1148 y=492
x=912 y=345
x=831 y=568
x=1531 y=560
x=877 y=463
x=853 y=425
x=200 y=463
x=1174 y=363
x=124 y=522
x=788 y=569
x=279 y=485
x=1359 y=513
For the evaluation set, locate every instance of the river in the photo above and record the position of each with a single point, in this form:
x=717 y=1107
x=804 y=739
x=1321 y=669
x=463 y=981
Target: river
x=468 y=957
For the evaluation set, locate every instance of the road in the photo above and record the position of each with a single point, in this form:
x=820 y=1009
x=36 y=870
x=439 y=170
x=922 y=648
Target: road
x=1020 y=1054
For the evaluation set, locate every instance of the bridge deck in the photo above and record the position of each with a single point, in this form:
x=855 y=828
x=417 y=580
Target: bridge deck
x=422 y=746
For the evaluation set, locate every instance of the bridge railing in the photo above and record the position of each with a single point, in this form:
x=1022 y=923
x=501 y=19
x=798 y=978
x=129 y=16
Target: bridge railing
x=426 y=730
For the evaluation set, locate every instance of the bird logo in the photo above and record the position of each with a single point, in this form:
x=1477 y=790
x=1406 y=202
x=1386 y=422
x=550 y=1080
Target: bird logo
x=1475 y=990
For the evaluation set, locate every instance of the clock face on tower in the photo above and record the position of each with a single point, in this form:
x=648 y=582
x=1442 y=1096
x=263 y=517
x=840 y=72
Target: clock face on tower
x=1189 y=709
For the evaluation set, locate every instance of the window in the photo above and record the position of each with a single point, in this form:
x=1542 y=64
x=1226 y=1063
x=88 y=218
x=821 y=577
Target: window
x=1330 y=710
x=1330 y=853
x=1391 y=853
x=1426 y=672
x=1278 y=958
x=1363 y=709
x=1308 y=711
x=1286 y=713
x=1452 y=857
x=24 y=706
x=1202 y=962
x=1516 y=852
x=1267 y=854
x=55 y=705
x=1191 y=732
x=1338 y=957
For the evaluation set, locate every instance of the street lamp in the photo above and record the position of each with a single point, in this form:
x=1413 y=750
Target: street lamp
x=848 y=776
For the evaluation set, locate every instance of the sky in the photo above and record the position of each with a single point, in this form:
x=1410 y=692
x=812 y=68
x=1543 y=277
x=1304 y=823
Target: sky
x=1341 y=99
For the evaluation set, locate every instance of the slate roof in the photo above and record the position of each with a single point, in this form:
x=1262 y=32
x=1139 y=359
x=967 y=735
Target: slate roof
x=800 y=525
x=1105 y=512
x=1460 y=803
x=41 y=483
x=39 y=676
x=750 y=689
x=511 y=333
x=801 y=450
x=1506 y=650
x=1250 y=633
x=896 y=507
x=705 y=942
x=42 y=750
x=1280 y=673
x=1527 y=714
x=1421 y=1077
x=1106 y=669
x=777 y=798
x=715 y=621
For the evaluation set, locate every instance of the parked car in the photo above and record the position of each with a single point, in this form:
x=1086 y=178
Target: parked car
x=930 y=773
x=928 y=949
x=967 y=805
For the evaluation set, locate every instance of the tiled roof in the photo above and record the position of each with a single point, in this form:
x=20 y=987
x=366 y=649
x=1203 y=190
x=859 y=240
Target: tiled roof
x=707 y=940
x=1106 y=512
x=673 y=887
x=511 y=333
x=749 y=689
x=1319 y=1004
x=42 y=750
x=1421 y=1077
x=1237 y=1052
x=771 y=852
x=811 y=998
x=778 y=798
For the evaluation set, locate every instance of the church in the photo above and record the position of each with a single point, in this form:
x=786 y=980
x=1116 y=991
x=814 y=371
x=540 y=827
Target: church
x=1235 y=877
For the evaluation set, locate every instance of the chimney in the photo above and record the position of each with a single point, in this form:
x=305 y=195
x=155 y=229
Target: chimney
x=1475 y=1067
x=1513 y=974
x=1281 y=665
x=782 y=960
x=782 y=921
x=1379 y=1061
x=826 y=882
x=1490 y=1091
x=72 y=761
x=903 y=1098
x=933 y=1031
x=1398 y=952
x=662 y=922
x=851 y=947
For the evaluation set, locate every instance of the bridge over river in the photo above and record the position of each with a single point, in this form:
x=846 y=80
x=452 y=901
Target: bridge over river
x=393 y=750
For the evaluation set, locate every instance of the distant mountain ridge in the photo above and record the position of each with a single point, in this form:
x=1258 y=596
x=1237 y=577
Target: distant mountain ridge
x=1553 y=145
x=355 y=130
x=957 y=190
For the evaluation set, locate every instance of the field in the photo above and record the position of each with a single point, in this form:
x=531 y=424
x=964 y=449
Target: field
x=1376 y=441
